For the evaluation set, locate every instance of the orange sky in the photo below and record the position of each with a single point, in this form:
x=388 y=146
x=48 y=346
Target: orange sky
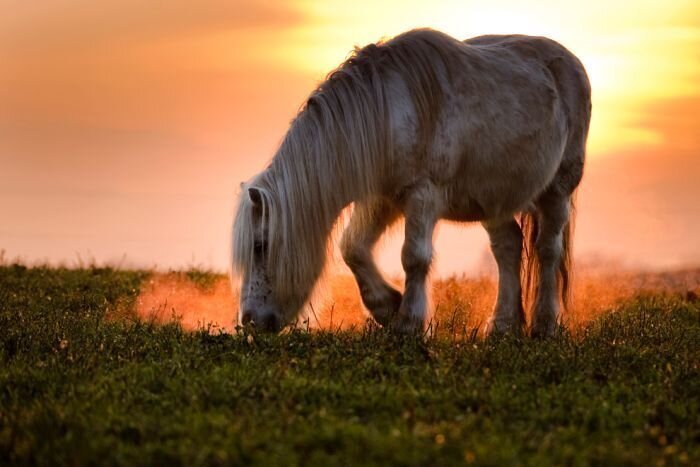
x=126 y=127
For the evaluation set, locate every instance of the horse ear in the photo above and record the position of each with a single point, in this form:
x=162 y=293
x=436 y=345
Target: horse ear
x=255 y=197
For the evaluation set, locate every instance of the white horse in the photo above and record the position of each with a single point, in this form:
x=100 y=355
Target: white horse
x=426 y=127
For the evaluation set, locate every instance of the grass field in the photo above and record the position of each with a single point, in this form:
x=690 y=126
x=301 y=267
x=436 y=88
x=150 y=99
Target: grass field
x=84 y=379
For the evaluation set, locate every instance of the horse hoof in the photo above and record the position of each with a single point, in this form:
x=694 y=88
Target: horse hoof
x=384 y=312
x=406 y=326
x=502 y=327
x=543 y=330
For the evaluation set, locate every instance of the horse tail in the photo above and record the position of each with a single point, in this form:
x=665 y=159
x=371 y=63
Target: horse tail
x=529 y=267
x=530 y=271
x=565 y=276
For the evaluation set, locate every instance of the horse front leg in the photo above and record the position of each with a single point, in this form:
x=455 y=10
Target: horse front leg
x=416 y=255
x=367 y=223
x=506 y=240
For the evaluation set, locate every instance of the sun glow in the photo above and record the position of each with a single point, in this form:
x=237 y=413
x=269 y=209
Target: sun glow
x=633 y=58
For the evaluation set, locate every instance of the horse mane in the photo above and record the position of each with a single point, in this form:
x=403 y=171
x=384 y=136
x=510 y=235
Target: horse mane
x=337 y=150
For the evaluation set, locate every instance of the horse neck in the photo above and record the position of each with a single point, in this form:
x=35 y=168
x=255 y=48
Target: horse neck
x=309 y=224
x=324 y=164
x=323 y=181
x=324 y=195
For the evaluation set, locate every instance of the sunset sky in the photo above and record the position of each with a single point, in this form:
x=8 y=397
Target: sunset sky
x=126 y=126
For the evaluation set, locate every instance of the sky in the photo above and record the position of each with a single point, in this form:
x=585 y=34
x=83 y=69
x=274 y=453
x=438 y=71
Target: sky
x=127 y=126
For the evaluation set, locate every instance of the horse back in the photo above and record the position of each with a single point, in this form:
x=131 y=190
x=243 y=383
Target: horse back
x=563 y=67
x=517 y=116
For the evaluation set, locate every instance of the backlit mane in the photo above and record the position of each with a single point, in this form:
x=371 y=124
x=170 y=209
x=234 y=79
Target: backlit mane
x=337 y=150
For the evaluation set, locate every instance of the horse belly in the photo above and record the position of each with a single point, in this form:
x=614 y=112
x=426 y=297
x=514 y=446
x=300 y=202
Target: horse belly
x=507 y=184
x=501 y=156
x=495 y=180
x=463 y=209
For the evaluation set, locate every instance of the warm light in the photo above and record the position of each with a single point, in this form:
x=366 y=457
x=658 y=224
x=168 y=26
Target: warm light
x=632 y=59
x=126 y=129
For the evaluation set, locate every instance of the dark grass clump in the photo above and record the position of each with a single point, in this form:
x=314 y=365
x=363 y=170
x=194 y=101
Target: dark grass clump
x=82 y=381
x=202 y=278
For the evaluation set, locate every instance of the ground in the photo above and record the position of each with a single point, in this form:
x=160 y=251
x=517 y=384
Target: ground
x=85 y=380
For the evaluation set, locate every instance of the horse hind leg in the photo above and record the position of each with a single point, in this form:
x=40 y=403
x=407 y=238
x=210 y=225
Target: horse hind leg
x=506 y=240
x=553 y=211
x=367 y=223
x=553 y=236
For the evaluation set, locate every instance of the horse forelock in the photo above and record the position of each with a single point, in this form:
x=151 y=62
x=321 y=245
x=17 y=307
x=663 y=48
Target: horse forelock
x=244 y=227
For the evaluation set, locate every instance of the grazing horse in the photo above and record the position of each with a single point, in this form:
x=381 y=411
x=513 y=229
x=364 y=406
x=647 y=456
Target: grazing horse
x=424 y=126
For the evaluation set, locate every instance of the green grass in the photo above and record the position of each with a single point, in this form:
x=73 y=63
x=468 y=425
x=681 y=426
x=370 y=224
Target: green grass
x=203 y=279
x=84 y=382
